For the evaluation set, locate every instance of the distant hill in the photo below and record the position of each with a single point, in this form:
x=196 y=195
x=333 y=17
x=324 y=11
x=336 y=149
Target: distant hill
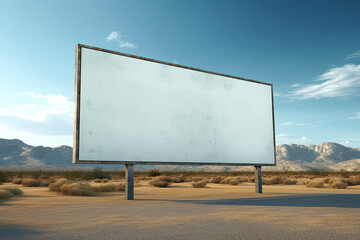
x=15 y=154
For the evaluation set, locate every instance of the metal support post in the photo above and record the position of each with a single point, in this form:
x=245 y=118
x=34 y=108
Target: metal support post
x=258 y=182
x=129 y=181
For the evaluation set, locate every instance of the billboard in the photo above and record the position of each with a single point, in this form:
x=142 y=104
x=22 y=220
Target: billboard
x=135 y=110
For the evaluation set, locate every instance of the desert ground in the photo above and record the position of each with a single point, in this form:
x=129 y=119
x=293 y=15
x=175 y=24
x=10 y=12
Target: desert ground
x=218 y=211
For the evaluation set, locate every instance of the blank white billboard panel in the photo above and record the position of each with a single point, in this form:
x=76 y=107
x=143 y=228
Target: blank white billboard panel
x=130 y=109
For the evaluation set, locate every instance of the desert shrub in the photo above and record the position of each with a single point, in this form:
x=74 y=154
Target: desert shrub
x=5 y=194
x=31 y=182
x=266 y=181
x=328 y=180
x=314 y=184
x=251 y=179
x=289 y=181
x=226 y=180
x=276 y=179
x=157 y=182
x=339 y=185
x=199 y=184
x=98 y=180
x=353 y=180
x=99 y=173
x=234 y=182
x=12 y=190
x=55 y=187
x=154 y=173
x=46 y=182
x=16 y=180
x=119 y=187
x=77 y=189
x=105 y=180
x=178 y=178
x=103 y=187
x=164 y=178
x=215 y=180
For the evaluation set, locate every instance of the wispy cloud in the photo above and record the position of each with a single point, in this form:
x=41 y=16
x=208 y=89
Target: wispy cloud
x=113 y=36
x=357 y=116
x=337 y=82
x=40 y=112
x=116 y=36
x=295 y=124
x=354 y=55
x=284 y=138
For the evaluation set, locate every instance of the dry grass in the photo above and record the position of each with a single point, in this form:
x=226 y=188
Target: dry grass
x=199 y=184
x=12 y=190
x=216 y=179
x=98 y=180
x=289 y=181
x=103 y=187
x=178 y=179
x=158 y=182
x=16 y=180
x=30 y=182
x=5 y=194
x=105 y=180
x=234 y=182
x=353 y=180
x=119 y=187
x=339 y=185
x=55 y=187
x=77 y=189
x=314 y=184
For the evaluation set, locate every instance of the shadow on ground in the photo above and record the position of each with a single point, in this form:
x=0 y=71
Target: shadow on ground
x=15 y=231
x=304 y=200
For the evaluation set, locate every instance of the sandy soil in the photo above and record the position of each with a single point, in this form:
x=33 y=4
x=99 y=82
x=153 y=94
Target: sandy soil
x=182 y=212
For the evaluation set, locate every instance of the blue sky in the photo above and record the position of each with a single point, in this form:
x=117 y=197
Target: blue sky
x=309 y=50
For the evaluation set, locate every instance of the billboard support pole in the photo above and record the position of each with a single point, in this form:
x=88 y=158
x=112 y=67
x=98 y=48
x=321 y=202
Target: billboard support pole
x=258 y=182
x=129 y=181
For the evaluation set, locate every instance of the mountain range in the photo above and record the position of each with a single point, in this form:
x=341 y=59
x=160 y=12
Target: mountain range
x=15 y=154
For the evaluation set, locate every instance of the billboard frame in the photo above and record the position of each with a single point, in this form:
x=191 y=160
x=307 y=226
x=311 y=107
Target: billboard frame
x=76 y=136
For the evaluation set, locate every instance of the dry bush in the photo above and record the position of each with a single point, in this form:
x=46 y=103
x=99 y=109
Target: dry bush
x=178 y=178
x=215 y=180
x=55 y=187
x=277 y=179
x=314 y=184
x=5 y=194
x=77 y=189
x=266 y=181
x=16 y=180
x=339 y=185
x=193 y=179
x=226 y=180
x=328 y=180
x=105 y=180
x=119 y=187
x=46 y=183
x=103 y=187
x=98 y=180
x=251 y=179
x=234 y=182
x=353 y=180
x=12 y=190
x=157 y=182
x=199 y=184
x=289 y=181
x=30 y=182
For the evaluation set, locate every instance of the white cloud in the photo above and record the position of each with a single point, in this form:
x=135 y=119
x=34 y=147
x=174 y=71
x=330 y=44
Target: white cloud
x=337 y=82
x=116 y=36
x=296 y=85
x=284 y=138
x=40 y=112
x=295 y=124
x=113 y=36
x=357 y=116
x=127 y=44
x=354 y=55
